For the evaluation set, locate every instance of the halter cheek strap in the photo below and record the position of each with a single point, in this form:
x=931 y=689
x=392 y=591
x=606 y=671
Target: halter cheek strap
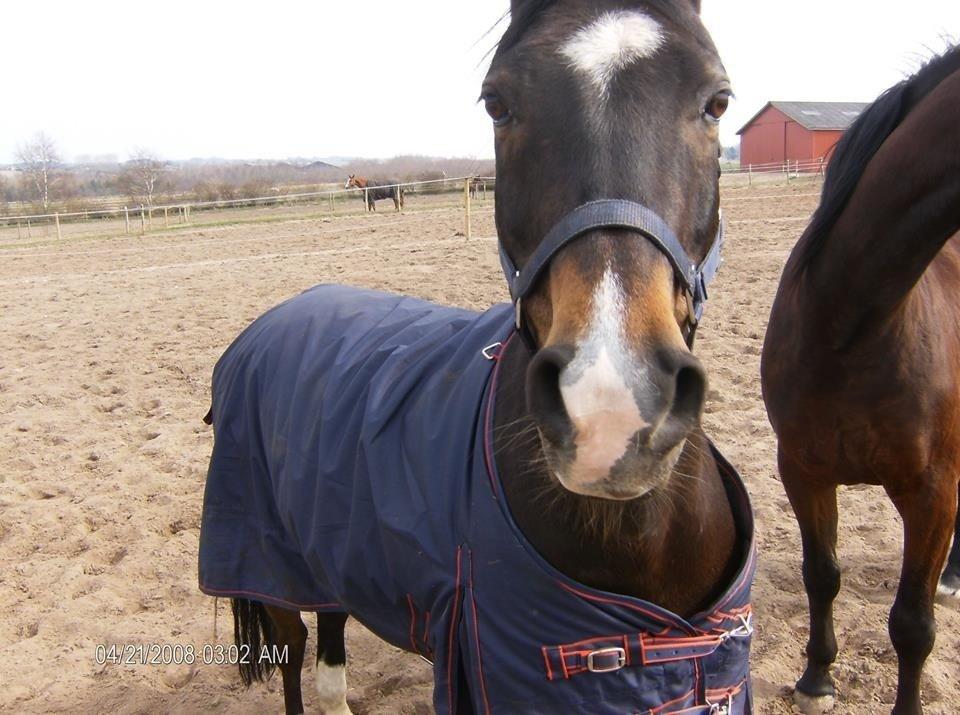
x=617 y=213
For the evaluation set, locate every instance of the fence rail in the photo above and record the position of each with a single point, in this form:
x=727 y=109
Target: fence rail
x=790 y=168
x=125 y=220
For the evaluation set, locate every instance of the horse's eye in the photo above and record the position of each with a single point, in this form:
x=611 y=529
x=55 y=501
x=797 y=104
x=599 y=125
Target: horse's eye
x=716 y=106
x=496 y=109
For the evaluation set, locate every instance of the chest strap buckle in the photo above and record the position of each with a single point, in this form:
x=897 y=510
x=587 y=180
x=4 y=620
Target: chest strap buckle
x=606 y=660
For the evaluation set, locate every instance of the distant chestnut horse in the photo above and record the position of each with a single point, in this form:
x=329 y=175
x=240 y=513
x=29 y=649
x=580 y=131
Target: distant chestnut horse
x=861 y=364
x=374 y=191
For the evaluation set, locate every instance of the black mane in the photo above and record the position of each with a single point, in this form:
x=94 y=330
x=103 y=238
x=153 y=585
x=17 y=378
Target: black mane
x=861 y=141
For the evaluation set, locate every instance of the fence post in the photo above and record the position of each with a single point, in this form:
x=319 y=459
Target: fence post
x=749 y=174
x=126 y=218
x=143 y=220
x=28 y=229
x=466 y=199
x=18 y=231
x=56 y=217
x=166 y=217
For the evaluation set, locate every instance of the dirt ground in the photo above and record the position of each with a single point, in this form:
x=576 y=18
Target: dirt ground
x=106 y=349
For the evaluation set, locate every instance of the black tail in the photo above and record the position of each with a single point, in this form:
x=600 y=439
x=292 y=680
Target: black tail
x=252 y=630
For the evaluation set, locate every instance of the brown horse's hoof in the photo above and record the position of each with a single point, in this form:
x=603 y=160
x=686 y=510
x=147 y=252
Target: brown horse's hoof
x=810 y=705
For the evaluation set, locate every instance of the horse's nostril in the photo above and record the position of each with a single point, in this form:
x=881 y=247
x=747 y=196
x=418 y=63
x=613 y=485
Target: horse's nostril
x=544 y=398
x=685 y=386
x=689 y=392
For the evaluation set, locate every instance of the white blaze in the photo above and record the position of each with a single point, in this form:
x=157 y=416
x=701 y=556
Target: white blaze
x=611 y=43
x=598 y=399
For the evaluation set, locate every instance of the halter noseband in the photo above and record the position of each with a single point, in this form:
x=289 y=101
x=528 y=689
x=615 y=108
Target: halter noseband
x=617 y=213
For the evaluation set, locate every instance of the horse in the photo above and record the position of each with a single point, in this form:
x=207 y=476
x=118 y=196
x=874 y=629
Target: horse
x=862 y=357
x=478 y=188
x=524 y=496
x=374 y=191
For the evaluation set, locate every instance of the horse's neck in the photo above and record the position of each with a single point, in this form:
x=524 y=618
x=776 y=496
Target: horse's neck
x=675 y=548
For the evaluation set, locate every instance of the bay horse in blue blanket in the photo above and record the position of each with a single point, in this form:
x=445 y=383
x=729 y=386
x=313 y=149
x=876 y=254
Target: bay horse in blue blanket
x=862 y=359
x=524 y=496
x=374 y=191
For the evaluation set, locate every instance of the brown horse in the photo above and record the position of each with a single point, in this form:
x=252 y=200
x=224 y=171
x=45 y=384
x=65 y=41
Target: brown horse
x=862 y=360
x=374 y=191
x=596 y=411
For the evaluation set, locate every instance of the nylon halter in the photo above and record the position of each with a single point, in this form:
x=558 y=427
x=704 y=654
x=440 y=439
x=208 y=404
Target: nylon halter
x=617 y=213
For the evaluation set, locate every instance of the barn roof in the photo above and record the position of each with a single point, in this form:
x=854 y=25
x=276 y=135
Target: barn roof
x=816 y=115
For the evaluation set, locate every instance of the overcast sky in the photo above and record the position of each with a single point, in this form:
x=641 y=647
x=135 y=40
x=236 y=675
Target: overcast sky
x=377 y=78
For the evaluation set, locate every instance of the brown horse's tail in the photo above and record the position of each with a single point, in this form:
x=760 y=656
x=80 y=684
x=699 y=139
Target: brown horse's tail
x=252 y=631
x=891 y=200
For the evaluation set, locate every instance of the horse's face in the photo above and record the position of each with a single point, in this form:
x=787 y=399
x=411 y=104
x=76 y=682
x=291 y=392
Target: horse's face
x=351 y=182
x=594 y=100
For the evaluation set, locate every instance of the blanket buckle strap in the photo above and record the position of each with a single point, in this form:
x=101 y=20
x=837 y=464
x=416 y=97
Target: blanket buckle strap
x=492 y=352
x=722 y=707
x=606 y=660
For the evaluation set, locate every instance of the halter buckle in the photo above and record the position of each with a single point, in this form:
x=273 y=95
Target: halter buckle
x=611 y=659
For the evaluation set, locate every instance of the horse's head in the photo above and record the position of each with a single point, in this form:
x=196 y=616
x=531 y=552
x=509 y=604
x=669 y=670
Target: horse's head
x=608 y=100
x=352 y=182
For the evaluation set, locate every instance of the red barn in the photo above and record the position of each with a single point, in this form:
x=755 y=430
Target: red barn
x=801 y=132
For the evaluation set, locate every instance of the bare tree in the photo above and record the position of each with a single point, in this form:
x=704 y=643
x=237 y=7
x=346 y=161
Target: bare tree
x=39 y=161
x=142 y=177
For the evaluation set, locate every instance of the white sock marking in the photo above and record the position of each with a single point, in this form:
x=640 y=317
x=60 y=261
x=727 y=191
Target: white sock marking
x=332 y=689
x=611 y=43
x=945 y=591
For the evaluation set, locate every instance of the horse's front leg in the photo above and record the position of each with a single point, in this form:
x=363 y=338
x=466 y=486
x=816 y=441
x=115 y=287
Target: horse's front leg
x=950 y=580
x=928 y=518
x=332 y=663
x=289 y=633
x=815 y=506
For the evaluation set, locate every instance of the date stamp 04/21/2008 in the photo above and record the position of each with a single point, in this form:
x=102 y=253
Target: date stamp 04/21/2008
x=160 y=654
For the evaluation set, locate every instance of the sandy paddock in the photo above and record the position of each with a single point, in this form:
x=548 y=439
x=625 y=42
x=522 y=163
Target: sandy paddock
x=107 y=349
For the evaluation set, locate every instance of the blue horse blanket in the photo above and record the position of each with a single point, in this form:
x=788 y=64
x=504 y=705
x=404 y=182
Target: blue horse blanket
x=352 y=471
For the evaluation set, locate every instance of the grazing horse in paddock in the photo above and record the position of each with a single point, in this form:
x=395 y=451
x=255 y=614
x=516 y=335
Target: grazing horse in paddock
x=374 y=191
x=524 y=496
x=862 y=359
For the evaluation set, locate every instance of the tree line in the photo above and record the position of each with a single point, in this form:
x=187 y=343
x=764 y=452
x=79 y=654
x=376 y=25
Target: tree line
x=41 y=181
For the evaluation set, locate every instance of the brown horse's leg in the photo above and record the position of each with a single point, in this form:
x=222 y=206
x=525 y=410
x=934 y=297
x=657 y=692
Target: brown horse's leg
x=815 y=506
x=331 y=663
x=289 y=632
x=950 y=580
x=928 y=516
